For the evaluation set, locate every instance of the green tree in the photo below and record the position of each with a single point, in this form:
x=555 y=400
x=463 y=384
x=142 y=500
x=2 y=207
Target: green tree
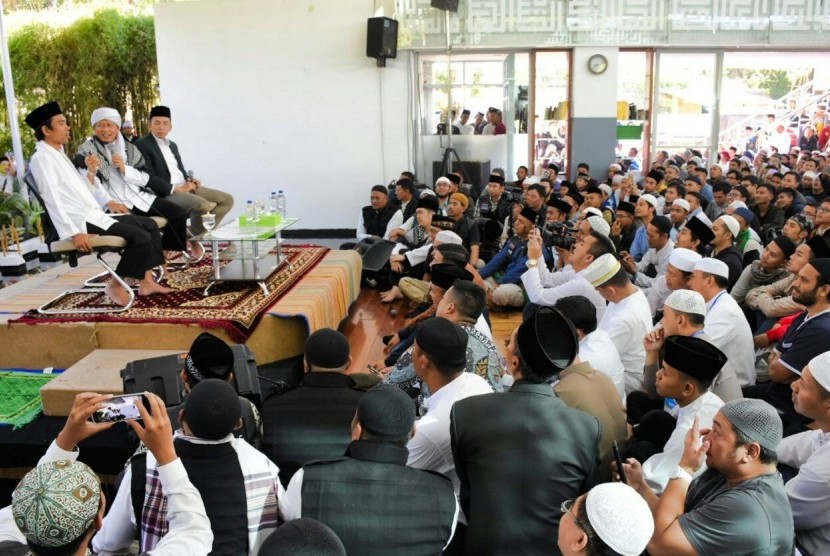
x=106 y=60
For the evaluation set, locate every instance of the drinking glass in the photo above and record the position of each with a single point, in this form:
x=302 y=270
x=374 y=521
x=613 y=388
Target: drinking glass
x=209 y=222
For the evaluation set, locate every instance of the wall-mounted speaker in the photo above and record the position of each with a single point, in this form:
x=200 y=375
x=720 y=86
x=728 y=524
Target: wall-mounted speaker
x=382 y=39
x=447 y=5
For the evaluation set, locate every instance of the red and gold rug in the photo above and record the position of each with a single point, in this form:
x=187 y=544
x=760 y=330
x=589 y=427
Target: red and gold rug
x=233 y=306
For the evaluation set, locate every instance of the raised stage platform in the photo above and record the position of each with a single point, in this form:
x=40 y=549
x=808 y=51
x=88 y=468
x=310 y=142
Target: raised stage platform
x=319 y=299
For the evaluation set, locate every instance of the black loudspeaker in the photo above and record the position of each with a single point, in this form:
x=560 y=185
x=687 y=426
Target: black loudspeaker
x=382 y=38
x=477 y=170
x=160 y=375
x=448 y=5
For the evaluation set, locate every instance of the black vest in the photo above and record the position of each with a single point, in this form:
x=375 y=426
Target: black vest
x=215 y=472
x=310 y=422
x=375 y=221
x=379 y=506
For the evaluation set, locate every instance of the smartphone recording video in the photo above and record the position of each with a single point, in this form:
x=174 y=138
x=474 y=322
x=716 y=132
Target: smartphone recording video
x=119 y=408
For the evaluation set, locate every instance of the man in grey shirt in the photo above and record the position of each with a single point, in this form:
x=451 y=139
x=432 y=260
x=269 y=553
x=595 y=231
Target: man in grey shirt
x=739 y=505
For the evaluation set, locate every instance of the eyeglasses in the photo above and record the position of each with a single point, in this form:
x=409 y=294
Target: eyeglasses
x=566 y=509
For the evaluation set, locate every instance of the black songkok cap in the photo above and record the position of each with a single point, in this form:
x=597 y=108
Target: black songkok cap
x=819 y=247
x=42 y=113
x=444 y=275
x=162 y=111
x=625 y=206
x=445 y=342
x=575 y=195
x=212 y=409
x=381 y=189
x=454 y=178
x=556 y=202
x=547 y=342
x=386 y=412
x=209 y=357
x=822 y=265
x=692 y=177
x=694 y=356
x=530 y=214
x=429 y=202
x=495 y=178
x=701 y=230
x=442 y=222
x=327 y=349
x=304 y=537
x=593 y=189
x=786 y=245
x=662 y=223
x=656 y=175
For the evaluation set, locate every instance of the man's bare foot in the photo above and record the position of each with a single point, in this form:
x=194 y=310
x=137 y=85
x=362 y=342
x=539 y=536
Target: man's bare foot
x=117 y=293
x=197 y=250
x=150 y=287
x=392 y=295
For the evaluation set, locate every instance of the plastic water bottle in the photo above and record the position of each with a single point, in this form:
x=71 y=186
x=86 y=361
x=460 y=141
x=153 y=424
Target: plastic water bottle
x=250 y=214
x=281 y=203
x=273 y=205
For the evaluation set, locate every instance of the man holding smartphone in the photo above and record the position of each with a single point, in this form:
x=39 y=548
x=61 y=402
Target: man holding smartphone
x=70 y=491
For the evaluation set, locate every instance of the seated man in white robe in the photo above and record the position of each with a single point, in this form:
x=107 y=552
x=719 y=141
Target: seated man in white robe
x=76 y=215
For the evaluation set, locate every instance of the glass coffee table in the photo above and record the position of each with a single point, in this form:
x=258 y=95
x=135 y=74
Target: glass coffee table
x=247 y=264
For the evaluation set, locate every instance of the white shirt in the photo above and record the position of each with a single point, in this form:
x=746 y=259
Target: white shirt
x=189 y=531
x=541 y=295
x=809 y=491
x=176 y=176
x=430 y=448
x=120 y=523
x=68 y=198
x=599 y=350
x=660 y=260
x=125 y=189
x=658 y=468
x=729 y=330
x=657 y=294
x=627 y=323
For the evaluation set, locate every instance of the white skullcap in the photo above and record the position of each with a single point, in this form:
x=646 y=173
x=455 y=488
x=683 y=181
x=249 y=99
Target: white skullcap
x=735 y=205
x=746 y=159
x=682 y=203
x=110 y=114
x=127 y=123
x=448 y=236
x=591 y=211
x=684 y=259
x=820 y=369
x=696 y=160
x=617 y=179
x=650 y=199
x=616 y=167
x=443 y=179
x=601 y=270
x=599 y=225
x=605 y=188
x=703 y=218
x=713 y=266
x=620 y=517
x=426 y=193
x=732 y=223
x=531 y=180
x=810 y=174
x=686 y=301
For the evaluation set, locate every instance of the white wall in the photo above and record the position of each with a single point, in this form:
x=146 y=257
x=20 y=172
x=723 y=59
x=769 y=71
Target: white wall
x=279 y=94
x=594 y=96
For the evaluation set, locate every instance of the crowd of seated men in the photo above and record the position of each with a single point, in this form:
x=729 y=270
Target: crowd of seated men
x=666 y=391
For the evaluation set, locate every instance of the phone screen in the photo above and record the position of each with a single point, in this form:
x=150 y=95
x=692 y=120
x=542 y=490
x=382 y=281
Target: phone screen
x=620 y=468
x=119 y=408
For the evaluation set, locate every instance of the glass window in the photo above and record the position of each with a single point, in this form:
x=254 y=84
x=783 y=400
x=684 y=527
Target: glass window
x=552 y=91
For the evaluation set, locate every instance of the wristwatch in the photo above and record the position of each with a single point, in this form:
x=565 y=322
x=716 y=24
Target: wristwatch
x=680 y=473
x=532 y=263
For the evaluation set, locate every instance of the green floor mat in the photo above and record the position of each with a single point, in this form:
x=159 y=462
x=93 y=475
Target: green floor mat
x=20 y=396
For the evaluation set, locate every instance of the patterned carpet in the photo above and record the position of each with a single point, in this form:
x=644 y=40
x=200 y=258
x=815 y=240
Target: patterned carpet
x=233 y=306
x=20 y=396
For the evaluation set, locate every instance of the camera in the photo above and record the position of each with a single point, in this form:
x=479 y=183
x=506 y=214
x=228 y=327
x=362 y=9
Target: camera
x=559 y=235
